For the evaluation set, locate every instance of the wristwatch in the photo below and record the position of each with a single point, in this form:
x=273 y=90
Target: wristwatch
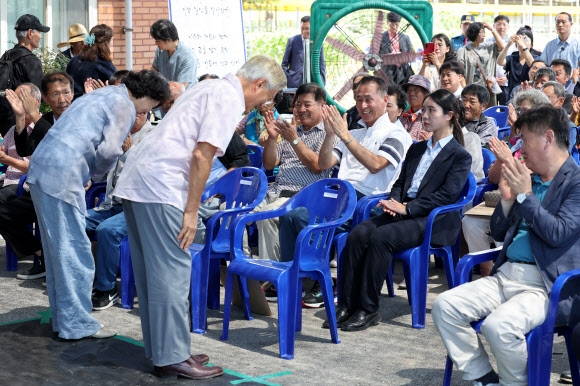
x=522 y=196
x=296 y=141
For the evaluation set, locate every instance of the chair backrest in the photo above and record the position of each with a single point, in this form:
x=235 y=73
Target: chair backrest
x=93 y=194
x=504 y=132
x=330 y=202
x=575 y=155
x=488 y=159
x=256 y=153
x=500 y=113
x=240 y=188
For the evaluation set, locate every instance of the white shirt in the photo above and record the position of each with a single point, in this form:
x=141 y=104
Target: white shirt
x=158 y=170
x=384 y=139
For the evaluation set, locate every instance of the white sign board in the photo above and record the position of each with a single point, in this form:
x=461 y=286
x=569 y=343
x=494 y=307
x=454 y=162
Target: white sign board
x=214 y=30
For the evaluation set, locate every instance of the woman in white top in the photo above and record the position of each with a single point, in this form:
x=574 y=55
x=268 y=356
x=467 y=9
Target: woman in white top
x=444 y=52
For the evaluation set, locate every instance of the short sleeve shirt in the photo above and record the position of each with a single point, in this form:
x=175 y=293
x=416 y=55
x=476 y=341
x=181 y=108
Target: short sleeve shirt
x=157 y=171
x=384 y=139
x=180 y=67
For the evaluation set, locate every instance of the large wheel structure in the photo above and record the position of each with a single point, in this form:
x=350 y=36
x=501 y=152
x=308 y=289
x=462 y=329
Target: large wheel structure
x=351 y=35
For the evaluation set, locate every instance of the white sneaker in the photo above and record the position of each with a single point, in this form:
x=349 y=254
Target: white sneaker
x=403 y=285
x=333 y=263
x=103 y=334
x=477 y=383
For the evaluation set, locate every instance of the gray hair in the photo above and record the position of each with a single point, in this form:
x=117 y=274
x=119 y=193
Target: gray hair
x=533 y=96
x=559 y=90
x=34 y=91
x=545 y=71
x=21 y=34
x=261 y=66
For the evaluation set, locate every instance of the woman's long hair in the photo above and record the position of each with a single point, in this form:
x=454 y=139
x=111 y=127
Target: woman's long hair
x=448 y=103
x=100 y=47
x=451 y=54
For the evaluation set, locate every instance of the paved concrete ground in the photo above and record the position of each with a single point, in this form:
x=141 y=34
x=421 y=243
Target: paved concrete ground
x=390 y=354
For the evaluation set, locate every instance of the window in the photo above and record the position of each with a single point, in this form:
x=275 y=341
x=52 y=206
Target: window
x=58 y=17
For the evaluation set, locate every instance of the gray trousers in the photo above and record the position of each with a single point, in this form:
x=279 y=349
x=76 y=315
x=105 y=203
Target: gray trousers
x=162 y=274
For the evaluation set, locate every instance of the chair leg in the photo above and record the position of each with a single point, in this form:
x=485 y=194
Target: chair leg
x=245 y=295
x=199 y=290
x=389 y=280
x=127 y=276
x=448 y=372
x=213 y=290
x=449 y=266
x=227 y=305
x=298 y=310
x=287 y=292
x=418 y=287
x=539 y=356
x=325 y=282
x=340 y=244
x=11 y=259
x=574 y=368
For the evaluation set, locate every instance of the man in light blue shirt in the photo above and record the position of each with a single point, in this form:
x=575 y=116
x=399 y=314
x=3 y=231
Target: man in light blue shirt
x=564 y=46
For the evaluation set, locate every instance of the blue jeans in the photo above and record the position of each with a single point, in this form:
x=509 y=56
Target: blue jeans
x=70 y=267
x=109 y=228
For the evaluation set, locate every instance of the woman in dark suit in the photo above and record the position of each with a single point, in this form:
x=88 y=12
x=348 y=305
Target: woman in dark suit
x=433 y=175
x=94 y=61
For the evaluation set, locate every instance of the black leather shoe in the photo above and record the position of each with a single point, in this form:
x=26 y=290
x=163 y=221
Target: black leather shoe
x=342 y=316
x=361 y=320
x=188 y=370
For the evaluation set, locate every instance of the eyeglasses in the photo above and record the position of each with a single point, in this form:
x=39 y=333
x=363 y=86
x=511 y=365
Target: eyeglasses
x=267 y=105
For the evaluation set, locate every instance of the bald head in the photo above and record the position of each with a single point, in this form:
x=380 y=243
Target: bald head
x=176 y=90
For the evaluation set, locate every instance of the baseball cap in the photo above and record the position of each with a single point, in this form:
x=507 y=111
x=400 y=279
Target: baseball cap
x=26 y=22
x=467 y=19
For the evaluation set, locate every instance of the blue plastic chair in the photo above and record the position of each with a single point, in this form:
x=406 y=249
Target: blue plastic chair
x=92 y=196
x=11 y=258
x=416 y=260
x=237 y=187
x=256 y=155
x=330 y=202
x=241 y=190
x=575 y=155
x=503 y=133
x=484 y=185
x=499 y=113
x=488 y=160
x=541 y=339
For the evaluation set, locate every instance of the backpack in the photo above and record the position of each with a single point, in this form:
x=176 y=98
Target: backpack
x=7 y=80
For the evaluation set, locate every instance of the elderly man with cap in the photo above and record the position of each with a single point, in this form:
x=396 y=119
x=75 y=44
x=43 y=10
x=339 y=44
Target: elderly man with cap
x=26 y=67
x=461 y=40
x=76 y=40
x=416 y=88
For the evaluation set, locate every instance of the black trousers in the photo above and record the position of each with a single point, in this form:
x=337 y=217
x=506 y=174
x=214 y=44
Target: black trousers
x=368 y=256
x=15 y=217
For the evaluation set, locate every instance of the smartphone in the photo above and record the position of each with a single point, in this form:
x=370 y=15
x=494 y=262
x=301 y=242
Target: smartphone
x=428 y=48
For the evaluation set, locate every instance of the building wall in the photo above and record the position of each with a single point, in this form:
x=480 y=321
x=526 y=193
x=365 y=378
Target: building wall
x=145 y=13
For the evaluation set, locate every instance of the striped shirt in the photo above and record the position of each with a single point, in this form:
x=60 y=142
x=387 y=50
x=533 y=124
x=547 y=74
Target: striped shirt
x=293 y=175
x=385 y=139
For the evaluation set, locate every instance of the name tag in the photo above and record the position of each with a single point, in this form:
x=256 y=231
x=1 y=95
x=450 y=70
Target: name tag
x=245 y=182
x=330 y=195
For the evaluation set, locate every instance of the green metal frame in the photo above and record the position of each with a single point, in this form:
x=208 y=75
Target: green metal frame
x=324 y=14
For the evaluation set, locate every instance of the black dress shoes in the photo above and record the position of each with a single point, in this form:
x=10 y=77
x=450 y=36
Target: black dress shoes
x=188 y=369
x=342 y=316
x=361 y=320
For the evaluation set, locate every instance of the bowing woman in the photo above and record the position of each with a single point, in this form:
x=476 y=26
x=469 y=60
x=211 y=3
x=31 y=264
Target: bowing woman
x=433 y=175
x=84 y=142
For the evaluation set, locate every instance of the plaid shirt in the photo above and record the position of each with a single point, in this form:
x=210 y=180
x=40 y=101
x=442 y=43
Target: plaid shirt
x=293 y=175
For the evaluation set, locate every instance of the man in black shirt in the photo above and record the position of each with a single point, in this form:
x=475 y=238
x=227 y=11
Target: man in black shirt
x=26 y=67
